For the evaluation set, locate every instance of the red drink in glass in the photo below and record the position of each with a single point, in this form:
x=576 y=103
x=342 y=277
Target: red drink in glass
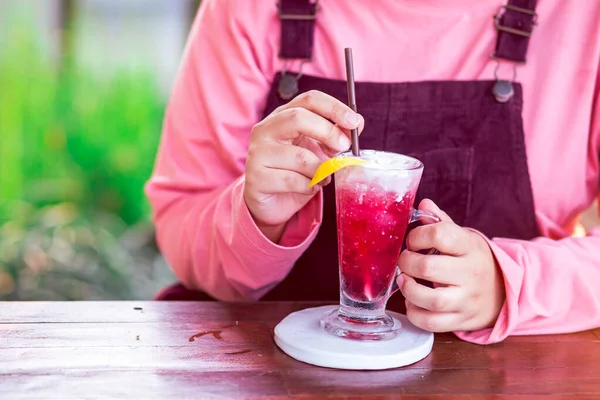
x=374 y=207
x=371 y=222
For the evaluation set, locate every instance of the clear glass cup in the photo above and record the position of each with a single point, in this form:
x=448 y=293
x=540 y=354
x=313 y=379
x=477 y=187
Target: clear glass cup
x=374 y=205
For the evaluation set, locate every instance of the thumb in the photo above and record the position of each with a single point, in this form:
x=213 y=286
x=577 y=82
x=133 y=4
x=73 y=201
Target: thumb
x=429 y=205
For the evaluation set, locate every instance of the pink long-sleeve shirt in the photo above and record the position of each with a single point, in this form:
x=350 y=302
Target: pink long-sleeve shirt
x=204 y=228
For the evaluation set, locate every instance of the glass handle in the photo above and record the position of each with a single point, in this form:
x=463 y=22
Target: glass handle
x=417 y=215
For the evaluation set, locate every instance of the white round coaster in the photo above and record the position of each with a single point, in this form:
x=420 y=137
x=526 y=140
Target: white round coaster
x=301 y=337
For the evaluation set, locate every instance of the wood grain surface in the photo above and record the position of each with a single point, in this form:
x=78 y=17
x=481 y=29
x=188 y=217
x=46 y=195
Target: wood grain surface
x=179 y=350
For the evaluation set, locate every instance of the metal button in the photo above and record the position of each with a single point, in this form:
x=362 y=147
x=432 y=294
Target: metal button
x=503 y=91
x=288 y=86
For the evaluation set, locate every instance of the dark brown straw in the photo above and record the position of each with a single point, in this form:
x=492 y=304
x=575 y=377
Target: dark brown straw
x=351 y=97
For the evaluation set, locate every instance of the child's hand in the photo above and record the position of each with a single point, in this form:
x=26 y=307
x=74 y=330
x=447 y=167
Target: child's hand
x=285 y=150
x=469 y=287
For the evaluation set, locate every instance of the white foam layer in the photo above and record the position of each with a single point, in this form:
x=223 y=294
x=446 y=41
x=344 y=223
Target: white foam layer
x=386 y=160
x=393 y=172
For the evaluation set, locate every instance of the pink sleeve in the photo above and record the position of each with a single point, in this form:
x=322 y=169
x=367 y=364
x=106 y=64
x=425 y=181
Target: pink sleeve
x=552 y=286
x=204 y=229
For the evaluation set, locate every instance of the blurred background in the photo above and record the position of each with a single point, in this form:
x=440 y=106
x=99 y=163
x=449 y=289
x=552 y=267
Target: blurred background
x=83 y=87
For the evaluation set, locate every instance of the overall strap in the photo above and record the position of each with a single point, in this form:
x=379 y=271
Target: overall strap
x=297 y=28
x=515 y=22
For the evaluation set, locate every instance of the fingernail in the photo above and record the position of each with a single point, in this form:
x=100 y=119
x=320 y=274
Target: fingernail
x=434 y=207
x=400 y=280
x=352 y=118
x=344 y=142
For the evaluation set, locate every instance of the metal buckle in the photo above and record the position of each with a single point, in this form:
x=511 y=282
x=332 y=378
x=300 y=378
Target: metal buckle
x=514 y=31
x=297 y=17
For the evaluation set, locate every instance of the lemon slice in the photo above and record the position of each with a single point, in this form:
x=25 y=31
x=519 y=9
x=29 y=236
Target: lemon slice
x=332 y=165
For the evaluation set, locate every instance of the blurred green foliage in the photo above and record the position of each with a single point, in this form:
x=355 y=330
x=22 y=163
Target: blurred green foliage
x=75 y=153
x=56 y=253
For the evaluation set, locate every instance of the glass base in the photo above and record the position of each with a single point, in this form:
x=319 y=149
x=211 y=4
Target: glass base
x=360 y=328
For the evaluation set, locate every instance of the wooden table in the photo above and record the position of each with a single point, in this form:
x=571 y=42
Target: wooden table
x=152 y=350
